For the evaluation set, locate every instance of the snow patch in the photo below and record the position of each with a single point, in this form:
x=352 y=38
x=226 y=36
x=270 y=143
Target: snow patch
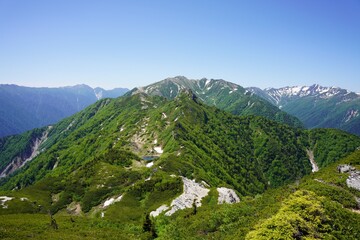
x=112 y=201
x=158 y=149
x=3 y=200
x=150 y=164
x=227 y=195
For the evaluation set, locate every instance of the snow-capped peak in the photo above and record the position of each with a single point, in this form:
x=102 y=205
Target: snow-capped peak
x=301 y=91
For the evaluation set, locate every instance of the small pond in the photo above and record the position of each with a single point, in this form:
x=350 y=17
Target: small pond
x=149 y=158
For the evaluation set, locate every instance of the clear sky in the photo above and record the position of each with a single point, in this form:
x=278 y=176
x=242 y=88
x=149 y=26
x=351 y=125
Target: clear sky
x=269 y=43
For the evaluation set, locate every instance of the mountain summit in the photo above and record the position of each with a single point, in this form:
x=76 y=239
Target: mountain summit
x=221 y=94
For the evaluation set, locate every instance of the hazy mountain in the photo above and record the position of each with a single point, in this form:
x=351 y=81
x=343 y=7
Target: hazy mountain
x=25 y=108
x=143 y=167
x=221 y=94
x=317 y=106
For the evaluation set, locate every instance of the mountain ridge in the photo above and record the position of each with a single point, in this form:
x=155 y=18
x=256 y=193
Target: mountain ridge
x=222 y=94
x=317 y=106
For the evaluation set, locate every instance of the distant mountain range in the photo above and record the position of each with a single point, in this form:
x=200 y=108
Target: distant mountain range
x=25 y=108
x=317 y=106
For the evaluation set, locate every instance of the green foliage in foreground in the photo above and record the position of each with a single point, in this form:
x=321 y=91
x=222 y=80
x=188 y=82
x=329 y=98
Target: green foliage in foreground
x=37 y=226
x=301 y=216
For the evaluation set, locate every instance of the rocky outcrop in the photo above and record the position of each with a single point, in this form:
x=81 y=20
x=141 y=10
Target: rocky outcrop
x=344 y=168
x=157 y=212
x=193 y=194
x=227 y=195
x=353 y=181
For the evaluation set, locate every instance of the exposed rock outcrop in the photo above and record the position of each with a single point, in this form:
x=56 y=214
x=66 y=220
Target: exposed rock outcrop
x=193 y=194
x=157 y=212
x=227 y=195
x=344 y=168
x=353 y=181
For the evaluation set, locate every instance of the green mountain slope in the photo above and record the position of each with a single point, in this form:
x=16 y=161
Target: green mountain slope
x=221 y=94
x=113 y=163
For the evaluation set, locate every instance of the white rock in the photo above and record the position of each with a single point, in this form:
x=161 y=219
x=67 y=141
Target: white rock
x=193 y=193
x=353 y=180
x=157 y=212
x=227 y=195
x=343 y=168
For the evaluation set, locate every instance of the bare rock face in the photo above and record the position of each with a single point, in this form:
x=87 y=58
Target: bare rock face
x=353 y=180
x=227 y=195
x=27 y=156
x=193 y=193
x=157 y=212
x=344 y=168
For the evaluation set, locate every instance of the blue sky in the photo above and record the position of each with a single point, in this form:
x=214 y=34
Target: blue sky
x=134 y=43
